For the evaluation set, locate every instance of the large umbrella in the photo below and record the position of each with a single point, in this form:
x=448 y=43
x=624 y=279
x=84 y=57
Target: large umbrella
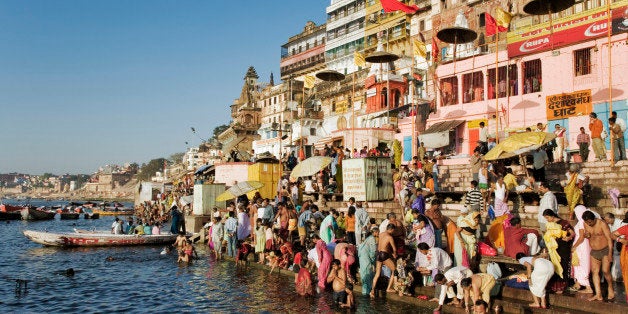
x=518 y=144
x=238 y=189
x=310 y=166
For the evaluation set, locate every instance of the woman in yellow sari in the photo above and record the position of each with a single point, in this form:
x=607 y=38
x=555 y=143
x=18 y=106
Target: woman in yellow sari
x=465 y=240
x=573 y=193
x=558 y=238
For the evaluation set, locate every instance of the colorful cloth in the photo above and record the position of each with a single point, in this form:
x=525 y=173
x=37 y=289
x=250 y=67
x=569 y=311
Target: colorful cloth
x=583 y=251
x=553 y=232
x=496 y=231
x=324 y=260
x=367 y=251
x=572 y=192
x=624 y=257
x=303 y=282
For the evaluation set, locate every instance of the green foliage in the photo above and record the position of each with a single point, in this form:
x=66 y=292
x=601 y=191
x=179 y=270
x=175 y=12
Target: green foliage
x=176 y=158
x=148 y=170
x=219 y=129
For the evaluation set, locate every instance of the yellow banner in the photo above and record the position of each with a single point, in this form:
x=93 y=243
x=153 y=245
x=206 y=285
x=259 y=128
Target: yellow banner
x=341 y=106
x=473 y=124
x=562 y=106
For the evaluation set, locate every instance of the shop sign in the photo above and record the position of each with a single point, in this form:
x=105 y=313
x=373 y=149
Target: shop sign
x=563 y=106
x=566 y=31
x=474 y=124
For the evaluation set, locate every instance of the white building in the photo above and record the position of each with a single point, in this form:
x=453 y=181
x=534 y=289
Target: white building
x=345 y=34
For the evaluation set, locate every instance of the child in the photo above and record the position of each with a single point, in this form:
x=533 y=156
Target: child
x=242 y=253
x=260 y=240
x=269 y=238
x=183 y=258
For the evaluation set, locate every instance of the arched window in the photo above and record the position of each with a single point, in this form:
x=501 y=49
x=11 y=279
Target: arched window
x=385 y=97
x=397 y=98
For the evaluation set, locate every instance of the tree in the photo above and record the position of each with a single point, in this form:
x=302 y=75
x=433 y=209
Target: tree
x=219 y=129
x=176 y=158
x=148 y=170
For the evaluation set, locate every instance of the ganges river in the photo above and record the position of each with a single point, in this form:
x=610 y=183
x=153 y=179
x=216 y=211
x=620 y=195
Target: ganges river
x=140 y=280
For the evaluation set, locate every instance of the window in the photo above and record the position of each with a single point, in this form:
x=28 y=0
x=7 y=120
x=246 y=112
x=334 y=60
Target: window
x=422 y=25
x=472 y=87
x=312 y=131
x=449 y=91
x=507 y=84
x=482 y=20
x=532 y=76
x=582 y=61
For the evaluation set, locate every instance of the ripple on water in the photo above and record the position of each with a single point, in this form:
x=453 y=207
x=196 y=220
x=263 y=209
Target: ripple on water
x=139 y=279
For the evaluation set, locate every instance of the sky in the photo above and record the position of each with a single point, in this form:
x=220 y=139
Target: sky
x=84 y=84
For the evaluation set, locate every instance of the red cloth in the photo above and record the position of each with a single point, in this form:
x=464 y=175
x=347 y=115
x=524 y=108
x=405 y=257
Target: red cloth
x=434 y=50
x=304 y=283
x=515 y=239
x=491 y=25
x=393 y=5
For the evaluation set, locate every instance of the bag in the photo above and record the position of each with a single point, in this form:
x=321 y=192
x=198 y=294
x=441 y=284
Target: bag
x=486 y=249
x=604 y=134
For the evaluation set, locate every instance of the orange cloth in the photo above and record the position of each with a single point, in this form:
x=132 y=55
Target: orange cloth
x=496 y=232
x=623 y=258
x=430 y=184
x=596 y=128
x=451 y=230
x=350 y=222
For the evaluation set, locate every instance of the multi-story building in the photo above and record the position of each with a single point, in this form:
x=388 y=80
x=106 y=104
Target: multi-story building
x=532 y=75
x=279 y=107
x=304 y=53
x=238 y=138
x=345 y=34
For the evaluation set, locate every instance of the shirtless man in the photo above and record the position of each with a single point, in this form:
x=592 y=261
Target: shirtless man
x=599 y=235
x=477 y=287
x=338 y=278
x=386 y=254
x=282 y=213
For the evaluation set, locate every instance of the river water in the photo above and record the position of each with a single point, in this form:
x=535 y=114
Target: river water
x=139 y=279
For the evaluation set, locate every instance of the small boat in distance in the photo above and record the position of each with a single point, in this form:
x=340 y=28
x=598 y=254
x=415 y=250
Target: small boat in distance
x=14 y=215
x=32 y=213
x=67 y=215
x=89 y=239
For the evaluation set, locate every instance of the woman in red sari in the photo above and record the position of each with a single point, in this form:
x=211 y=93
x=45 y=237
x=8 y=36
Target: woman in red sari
x=303 y=280
x=621 y=235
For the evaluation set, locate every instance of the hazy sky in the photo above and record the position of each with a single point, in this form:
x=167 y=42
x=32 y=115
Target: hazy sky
x=89 y=83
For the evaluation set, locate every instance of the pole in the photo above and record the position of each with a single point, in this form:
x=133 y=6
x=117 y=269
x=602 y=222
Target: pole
x=300 y=122
x=352 y=113
x=496 y=88
x=610 y=70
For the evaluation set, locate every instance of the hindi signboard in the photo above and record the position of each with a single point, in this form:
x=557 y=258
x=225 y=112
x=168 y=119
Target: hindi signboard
x=565 y=105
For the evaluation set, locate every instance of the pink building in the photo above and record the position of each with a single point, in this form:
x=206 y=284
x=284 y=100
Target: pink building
x=554 y=79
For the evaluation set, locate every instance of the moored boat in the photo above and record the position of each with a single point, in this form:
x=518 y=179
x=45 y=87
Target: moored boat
x=67 y=215
x=110 y=211
x=87 y=215
x=88 y=239
x=32 y=213
x=14 y=215
x=10 y=208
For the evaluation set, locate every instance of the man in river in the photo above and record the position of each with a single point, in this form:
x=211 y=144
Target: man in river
x=386 y=254
x=599 y=235
x=338 y=278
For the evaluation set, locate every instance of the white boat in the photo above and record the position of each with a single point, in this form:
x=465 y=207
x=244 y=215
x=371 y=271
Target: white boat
x=74 y=239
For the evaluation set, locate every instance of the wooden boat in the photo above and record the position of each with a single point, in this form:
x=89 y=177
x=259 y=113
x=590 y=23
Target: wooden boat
x=32 y=213
x=14 y=215
x=114 y=211
x=10 y=208
x=87 y=239
x=87 y=215
x=67 y=215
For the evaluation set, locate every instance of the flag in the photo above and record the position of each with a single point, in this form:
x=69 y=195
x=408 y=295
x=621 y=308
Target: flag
x=308 y=81
x=434 y=50
x=502 y=17
x=492 y=27
x=358 y=59
x=418 y=48
x=394 y=5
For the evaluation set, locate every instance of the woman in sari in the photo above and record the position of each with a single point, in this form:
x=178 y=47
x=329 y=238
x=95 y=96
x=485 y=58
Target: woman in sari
x=558 y=240
x=621 y=235
x=303 y=280
x=324 y=261
x=573 y=192
x=465 y=240
x=367 y=251
x=496 y=230
x=582 y=250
